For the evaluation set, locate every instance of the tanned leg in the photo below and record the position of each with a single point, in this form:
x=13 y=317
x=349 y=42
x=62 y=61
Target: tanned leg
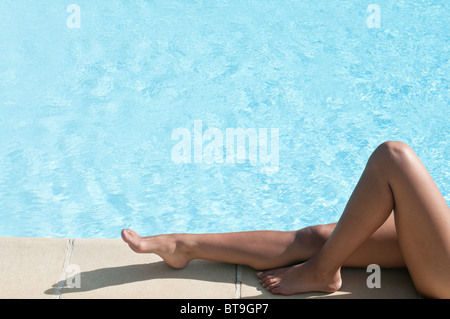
x=257 y=249
x=393 y=180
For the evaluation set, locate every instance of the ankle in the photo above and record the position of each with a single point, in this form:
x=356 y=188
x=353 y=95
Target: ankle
x=183 y=245
x=331 y=277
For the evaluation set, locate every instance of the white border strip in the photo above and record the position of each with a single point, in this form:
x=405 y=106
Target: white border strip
x=62 y=277
x=237 y=292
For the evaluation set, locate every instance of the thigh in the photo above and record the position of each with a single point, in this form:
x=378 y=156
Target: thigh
x=422 y=220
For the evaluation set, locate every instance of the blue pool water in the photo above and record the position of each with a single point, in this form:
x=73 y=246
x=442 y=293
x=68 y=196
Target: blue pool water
x=91 y=97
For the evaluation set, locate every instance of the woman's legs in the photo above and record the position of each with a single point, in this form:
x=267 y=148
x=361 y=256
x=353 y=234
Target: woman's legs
x=394 y=179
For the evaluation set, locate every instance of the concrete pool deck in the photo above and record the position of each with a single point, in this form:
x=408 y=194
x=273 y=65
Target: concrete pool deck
x=57 y=268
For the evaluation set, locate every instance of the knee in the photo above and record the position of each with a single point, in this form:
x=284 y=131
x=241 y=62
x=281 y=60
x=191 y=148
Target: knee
x=314 y=237
x=392 y=153
x=395 y=149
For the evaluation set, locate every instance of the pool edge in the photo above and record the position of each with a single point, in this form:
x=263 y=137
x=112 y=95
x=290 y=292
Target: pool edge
x=66 y=268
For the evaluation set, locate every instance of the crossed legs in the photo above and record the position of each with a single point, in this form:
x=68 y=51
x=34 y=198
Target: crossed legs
x=395 y=217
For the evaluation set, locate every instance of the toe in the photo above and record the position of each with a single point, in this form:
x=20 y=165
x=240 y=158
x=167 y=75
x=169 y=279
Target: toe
x=132 y=239
x=264 y=275
x=265 y=281
x=272 y=286
x=125 y=234
x=276 y=290
x=270 y=283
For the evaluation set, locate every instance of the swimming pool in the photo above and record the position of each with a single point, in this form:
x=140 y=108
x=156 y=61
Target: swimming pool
x=115 y=113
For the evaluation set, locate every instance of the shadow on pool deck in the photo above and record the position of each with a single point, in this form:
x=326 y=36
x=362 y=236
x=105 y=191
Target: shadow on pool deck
x=44 y=268
x=150 y=280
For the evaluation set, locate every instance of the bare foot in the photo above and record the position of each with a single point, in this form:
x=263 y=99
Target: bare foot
x=165 y=246
x=298 y=279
